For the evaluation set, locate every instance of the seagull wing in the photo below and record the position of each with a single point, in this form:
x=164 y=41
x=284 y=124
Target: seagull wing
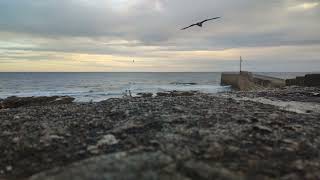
x=188 y=26
x=210 y=19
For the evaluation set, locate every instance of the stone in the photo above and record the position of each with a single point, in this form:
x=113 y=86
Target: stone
x=16 y=139
x=117 y=166
x=93 y=149
x=15 y=102
x=107 y=140
x=145 y=95
x=263 y=129
x=52 y=137
x=9 y=168
x=200 y=170
x=215 y=150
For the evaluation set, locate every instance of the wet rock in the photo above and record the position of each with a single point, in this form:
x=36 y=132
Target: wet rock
x=163 y=94
x=15 y=102
x=145 y=95
x=176 y=93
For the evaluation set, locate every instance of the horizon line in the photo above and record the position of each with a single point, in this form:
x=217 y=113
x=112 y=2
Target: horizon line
x=155 y=71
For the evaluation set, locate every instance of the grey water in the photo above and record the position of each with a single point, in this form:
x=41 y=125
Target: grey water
x=100 y=86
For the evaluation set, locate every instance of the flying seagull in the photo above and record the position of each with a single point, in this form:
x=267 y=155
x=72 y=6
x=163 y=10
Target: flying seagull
x=200 y=23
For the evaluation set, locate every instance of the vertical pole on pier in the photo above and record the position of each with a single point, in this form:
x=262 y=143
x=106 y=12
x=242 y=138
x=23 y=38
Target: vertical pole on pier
x=240 y=64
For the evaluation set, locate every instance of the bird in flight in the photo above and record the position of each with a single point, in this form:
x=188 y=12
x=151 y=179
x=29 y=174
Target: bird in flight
x=200 y=23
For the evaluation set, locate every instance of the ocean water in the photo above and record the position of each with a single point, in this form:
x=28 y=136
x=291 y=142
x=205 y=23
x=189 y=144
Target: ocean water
x=100 y=86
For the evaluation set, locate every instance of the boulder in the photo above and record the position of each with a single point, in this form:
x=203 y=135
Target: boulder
x=15 y=102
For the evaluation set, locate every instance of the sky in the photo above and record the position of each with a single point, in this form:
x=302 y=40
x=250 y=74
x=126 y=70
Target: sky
x=107 y=35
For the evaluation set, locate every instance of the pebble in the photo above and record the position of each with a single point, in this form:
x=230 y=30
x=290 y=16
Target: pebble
x=261 y=128
x=93 y=149
x=55 y=137
x=107 y=140
x=9 y=168
x=16 y=139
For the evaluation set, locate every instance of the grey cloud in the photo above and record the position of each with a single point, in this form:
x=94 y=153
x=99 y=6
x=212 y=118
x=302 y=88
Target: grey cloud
x=245 y=23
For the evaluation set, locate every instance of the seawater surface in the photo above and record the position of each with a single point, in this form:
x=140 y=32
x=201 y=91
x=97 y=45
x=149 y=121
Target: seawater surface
x=99 y=86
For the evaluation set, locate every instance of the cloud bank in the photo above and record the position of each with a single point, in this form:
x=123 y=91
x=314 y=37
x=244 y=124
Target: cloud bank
x=105 y=35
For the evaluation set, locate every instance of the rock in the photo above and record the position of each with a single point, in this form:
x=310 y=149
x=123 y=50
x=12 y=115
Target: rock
x=117 y=166
x=9 y=168
x=262 y=129
x=107 y=140
x=215 y=151
x=163 y=94
x=200 y=170
x=16 y=139
x=292 y=176
x=52 y=137
x=145 y=95
x=176 y=93
x=298 y=165
x=183 y=93
x=182 y=137
x=93 y=149
x=63 y=100
x=15 y=102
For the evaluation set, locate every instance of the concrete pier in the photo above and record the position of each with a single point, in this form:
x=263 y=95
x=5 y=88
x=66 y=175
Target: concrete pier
x=249 y=81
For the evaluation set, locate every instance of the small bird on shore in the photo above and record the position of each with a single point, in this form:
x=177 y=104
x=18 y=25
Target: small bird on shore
x=200 y=24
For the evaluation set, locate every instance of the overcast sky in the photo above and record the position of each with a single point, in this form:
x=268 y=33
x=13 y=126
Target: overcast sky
x=106 y=35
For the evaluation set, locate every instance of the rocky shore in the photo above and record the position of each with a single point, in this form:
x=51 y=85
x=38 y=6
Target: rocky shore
x=171 y=136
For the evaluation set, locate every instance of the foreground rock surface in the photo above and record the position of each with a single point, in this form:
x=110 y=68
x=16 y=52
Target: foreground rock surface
x=175 y=137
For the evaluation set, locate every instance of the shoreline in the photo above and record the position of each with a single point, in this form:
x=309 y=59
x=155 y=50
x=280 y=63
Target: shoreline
x=185 y=136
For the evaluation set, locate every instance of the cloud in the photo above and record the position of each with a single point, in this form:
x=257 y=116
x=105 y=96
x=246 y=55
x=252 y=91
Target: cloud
x=304 y=6
x=149 y=29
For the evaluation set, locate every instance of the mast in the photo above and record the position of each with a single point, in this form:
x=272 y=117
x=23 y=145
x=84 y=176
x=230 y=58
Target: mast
x=240 y=64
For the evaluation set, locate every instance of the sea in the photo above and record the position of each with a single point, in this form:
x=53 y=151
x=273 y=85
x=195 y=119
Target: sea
x=86 y=87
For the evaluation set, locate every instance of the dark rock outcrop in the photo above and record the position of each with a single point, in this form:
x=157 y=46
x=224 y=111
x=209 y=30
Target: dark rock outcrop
x=309 y=80
x=176 y=93
x=312 y=80
x=144 y=95
x=15 y=102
